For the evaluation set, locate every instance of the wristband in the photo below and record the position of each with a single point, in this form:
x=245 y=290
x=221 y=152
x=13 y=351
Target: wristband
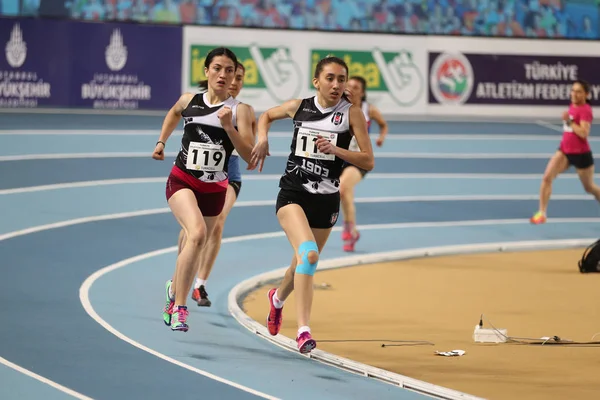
x=163 y=143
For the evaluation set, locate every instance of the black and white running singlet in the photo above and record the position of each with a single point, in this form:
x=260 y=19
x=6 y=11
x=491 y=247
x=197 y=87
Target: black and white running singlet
x=308 y=169
x=205 y=145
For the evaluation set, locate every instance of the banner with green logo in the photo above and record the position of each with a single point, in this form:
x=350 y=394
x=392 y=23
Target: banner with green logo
x=392 y=76
x=280 y=64
x=271 y=75
x=198 y=53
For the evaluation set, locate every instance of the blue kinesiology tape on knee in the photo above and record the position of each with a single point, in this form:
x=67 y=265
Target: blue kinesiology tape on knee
x=305 y=267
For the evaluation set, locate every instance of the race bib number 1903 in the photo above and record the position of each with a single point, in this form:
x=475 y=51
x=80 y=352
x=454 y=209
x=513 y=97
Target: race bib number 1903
x=306 y=144
x=205 y=157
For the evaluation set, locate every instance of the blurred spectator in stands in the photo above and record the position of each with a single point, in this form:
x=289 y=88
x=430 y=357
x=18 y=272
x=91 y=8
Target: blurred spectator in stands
x=28 y=7
x=588 y=33
x=508 y=25
x=165 y=11
x=92 y=10
x=512 y=18
x=188 y=9
x=140 y=11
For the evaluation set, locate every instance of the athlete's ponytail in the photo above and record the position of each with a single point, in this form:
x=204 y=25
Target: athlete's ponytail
x=203 y=85
x=585 y=85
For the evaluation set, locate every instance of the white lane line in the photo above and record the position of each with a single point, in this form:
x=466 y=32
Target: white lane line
x=42 y=379
x=87 y=284
x=275 y=177
x=390 y=154
x=87 y=305
x=548 y=125
x=288 y=135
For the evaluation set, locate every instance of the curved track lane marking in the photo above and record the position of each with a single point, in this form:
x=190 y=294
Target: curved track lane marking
x=89 y=281
x=42 y=379
x=87 y=305
x=104 y=217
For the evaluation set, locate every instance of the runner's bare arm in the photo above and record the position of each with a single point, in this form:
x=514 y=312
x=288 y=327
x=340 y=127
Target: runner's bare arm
x=582 y=129
x=261 y=148
x=376 y=116
x=243 y=137
x=174 y=116
x=364 y=158
x=169 y=124
x=285 y=110
x=254 y=124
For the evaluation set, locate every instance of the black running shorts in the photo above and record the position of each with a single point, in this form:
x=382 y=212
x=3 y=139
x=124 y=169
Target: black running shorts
x=580 y=161
x=321 y=210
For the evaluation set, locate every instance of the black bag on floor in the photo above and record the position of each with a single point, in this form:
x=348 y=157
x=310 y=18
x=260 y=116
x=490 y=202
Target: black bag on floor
x=590 y=261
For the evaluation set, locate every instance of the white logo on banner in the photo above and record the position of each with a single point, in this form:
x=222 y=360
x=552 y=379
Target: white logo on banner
x=280 y=72
x=115 y=90
x=401 y=75
x=16 y=48
x=116 y=52
x=19 y=88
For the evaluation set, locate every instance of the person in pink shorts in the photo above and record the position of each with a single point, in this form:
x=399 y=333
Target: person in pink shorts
x=574 y=149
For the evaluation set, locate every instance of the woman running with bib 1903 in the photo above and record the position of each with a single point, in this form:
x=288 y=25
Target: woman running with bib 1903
x=574 y=149
x=309 y=199
x=214 y=124
x=351 y=174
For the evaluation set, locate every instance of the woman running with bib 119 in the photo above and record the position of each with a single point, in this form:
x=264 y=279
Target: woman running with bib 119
x=213 y=243
x=574 y=149
x=309 y=199
x=214 y=124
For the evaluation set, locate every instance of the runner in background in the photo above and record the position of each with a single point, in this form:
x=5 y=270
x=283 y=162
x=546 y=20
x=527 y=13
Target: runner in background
x=352 y=175
x=574 y=149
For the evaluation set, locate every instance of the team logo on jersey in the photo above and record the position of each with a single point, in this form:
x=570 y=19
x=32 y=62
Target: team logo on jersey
x=451 y=78
x=337 y=118
x=16 y=48
x=116 y=52
x=334 y=218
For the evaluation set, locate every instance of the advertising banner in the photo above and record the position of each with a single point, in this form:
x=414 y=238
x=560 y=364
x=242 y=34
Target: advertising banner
x=272 y=75
x=72 y=64
x=508 y=79
x=125 y=66
x=393 y=77
x=62 y=64
x=280 y=64
x=34 y=70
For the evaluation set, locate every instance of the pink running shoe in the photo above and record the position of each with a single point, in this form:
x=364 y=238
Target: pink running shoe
x=349 y=244
x=275 y=317
x=179 y=319
x=347 y=232
x=538 y=218
x=305 y=343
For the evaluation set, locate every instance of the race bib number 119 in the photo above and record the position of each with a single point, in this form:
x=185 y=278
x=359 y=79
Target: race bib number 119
x=205 y=157
x=306 y=144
